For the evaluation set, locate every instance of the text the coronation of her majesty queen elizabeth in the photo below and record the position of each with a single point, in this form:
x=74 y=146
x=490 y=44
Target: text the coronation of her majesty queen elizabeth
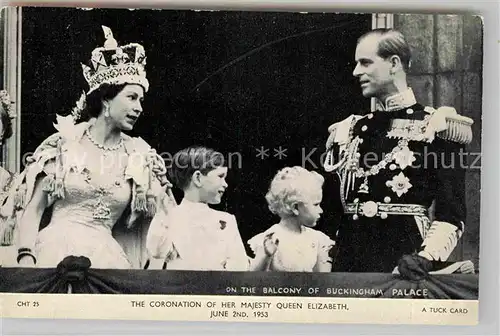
x=257 y=307
x=227 y=308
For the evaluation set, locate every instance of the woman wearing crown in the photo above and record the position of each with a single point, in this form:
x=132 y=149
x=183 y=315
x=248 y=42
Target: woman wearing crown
x=102 y=186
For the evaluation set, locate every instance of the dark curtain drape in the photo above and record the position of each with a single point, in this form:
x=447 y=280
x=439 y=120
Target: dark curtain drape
x=95 y=281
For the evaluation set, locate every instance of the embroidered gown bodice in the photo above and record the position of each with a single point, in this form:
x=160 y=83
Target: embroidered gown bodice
x=95 y=198
x=86 y=198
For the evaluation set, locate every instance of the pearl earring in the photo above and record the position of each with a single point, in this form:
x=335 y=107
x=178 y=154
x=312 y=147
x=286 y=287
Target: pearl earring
x=106 y=112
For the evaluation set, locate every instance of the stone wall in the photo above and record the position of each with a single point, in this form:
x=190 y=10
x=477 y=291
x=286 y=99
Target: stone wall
x=447 y=70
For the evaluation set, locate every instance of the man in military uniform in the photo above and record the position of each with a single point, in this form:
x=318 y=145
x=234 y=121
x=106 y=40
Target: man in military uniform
x=393 y=164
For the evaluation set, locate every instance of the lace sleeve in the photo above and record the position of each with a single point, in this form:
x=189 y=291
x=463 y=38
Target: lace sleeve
x=256 y=243
x=324 y=246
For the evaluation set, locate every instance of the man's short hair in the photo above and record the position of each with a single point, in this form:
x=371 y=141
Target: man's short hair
x=391 y=42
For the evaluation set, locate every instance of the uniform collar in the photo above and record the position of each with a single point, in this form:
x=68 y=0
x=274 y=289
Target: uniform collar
x=396 y=102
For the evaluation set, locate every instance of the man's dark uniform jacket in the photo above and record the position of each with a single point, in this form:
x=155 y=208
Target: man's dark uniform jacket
x=393 y=165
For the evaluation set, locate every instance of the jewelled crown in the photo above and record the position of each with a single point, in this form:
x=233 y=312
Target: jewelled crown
x=113 y=64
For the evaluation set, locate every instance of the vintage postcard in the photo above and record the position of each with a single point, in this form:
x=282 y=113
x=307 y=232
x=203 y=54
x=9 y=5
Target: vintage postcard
x=240 y=165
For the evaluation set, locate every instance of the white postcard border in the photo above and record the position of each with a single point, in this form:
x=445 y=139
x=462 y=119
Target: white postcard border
x=240 y=309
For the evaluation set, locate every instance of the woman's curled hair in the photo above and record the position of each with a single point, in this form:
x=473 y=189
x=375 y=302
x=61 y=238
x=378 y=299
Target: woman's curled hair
x=93 y=102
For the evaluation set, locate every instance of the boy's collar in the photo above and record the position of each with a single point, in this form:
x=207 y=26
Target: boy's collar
x=194 y=205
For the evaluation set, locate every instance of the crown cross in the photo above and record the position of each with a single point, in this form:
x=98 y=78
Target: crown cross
x=120 y=57
x=98 y=60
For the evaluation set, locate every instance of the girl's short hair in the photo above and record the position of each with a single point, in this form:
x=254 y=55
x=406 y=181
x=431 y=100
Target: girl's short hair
x=188 y=160
x=291 y=185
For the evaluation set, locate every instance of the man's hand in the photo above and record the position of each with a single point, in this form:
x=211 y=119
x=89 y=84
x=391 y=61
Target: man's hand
x=414 y=267
x=467 y=267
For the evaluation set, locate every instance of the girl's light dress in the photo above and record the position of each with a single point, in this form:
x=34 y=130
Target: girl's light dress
x=297 y=252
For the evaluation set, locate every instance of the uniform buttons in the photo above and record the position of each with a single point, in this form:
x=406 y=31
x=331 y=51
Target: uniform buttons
x=361 y=141
x=370 y=115
x=383 y=215
x=356 y=200
x=387 y=199
x=364 y=128
x=392 y=166
x=409 y=111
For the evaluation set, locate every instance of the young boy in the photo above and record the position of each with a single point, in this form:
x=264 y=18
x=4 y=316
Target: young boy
x=192 y=236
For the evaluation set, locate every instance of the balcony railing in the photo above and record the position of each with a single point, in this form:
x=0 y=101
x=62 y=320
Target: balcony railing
x=73 y=276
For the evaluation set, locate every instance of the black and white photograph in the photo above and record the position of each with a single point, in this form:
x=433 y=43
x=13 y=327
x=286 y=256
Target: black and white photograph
x=239 y=155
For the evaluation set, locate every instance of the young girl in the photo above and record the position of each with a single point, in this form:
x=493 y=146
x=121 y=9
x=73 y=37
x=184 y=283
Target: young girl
x=193 y=236
x=292 y=245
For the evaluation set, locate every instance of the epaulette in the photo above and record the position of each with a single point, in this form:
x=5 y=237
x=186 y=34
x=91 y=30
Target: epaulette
x=339 y=132
x=447 y=124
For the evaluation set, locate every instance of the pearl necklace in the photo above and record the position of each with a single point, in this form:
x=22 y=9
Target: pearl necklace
x=103 y=147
